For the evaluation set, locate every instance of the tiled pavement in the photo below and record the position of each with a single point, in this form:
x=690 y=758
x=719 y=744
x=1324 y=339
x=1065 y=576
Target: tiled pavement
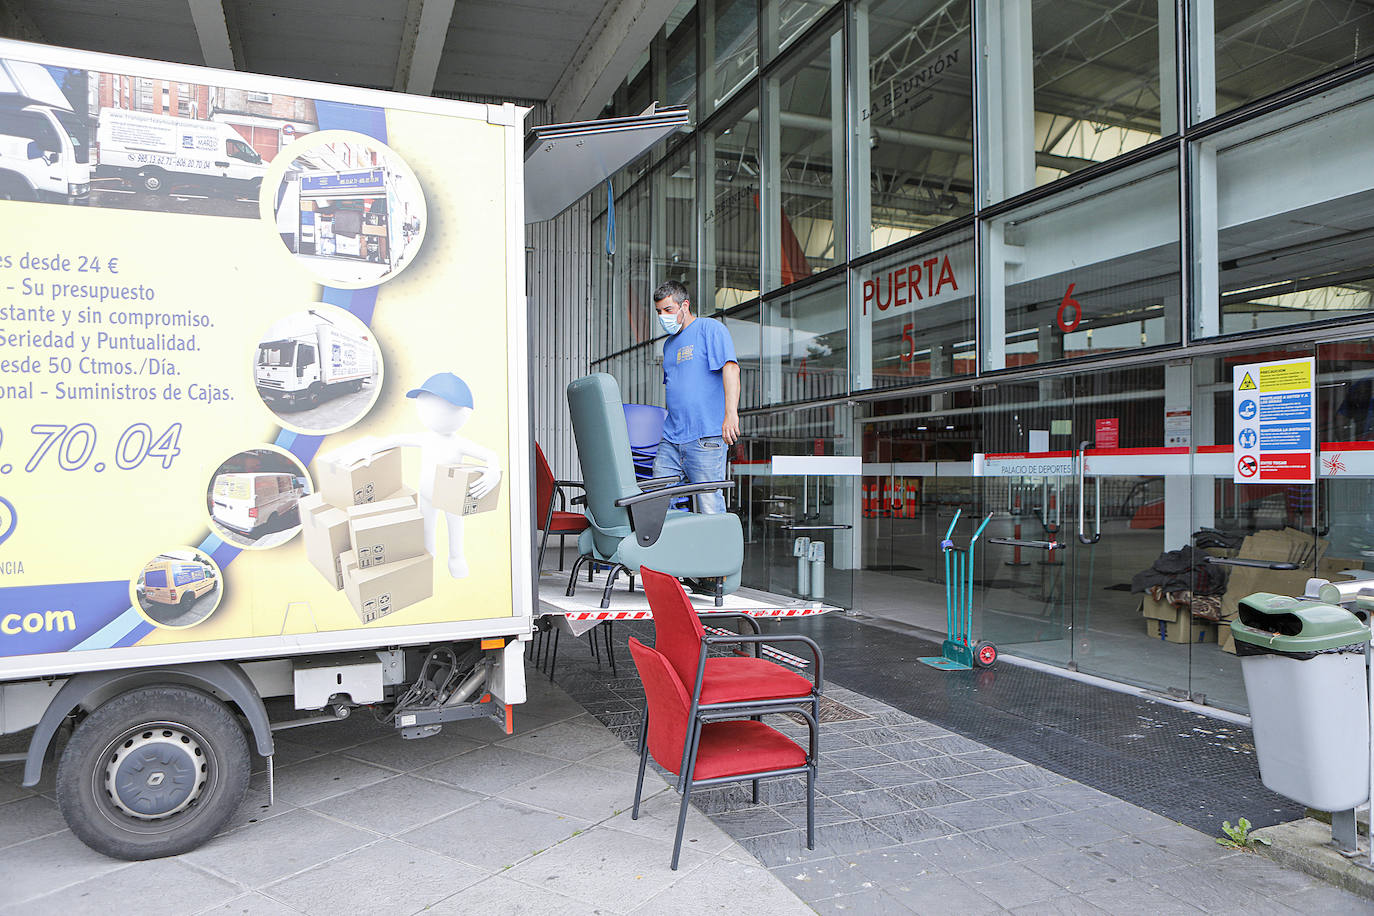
x=914 y=818
x=468 y=821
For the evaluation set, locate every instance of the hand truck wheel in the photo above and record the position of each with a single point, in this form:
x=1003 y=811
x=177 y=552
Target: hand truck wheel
x=985 y=655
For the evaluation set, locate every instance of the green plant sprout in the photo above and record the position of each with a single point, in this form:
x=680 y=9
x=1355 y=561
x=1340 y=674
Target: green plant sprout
x=1239 y=836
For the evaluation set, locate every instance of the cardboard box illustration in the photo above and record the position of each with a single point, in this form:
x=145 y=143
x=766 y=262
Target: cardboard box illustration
x=325 y=532
x=382 y=590
x=400 y=502
x=387 y=537
x=346 y=481
x=451 y=482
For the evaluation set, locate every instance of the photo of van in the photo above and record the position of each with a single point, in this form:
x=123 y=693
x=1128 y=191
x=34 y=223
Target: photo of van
x=253 y=498
x=158 y=153
x=318 y=370
x=179 y=588
x=44 y=142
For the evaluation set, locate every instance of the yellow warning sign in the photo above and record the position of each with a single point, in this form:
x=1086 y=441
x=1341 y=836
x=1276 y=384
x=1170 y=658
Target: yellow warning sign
x=1247 y=383
x=1293 y=376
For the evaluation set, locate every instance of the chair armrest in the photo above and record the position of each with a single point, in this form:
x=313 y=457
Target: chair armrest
x=648 y=510
x=569 y=483
x=654 y=483
x=708 y=641
x=686 y=489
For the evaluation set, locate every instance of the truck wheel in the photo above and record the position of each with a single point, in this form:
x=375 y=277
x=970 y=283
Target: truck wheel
x=315 y=394
x=154 y=772
x=188 y=599
x=14 y=188
x=154 y=181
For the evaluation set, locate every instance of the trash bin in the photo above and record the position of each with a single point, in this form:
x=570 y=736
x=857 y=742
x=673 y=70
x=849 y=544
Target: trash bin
x=1303 y=662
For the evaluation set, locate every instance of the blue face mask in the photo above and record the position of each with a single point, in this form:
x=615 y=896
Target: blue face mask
x=669 y=323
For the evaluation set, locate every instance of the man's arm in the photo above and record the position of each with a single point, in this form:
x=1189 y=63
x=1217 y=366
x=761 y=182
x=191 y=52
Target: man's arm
x=729 y=430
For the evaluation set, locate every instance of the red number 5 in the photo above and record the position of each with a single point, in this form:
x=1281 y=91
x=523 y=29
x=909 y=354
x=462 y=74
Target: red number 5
x=910 y=353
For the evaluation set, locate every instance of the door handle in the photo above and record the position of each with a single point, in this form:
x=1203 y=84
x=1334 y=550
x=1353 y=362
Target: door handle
x=1258 y=564
x=223 y=165
x=1018 y=542
x=1097 y=506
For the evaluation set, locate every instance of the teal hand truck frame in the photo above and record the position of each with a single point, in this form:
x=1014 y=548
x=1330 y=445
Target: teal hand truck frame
x=959 y=652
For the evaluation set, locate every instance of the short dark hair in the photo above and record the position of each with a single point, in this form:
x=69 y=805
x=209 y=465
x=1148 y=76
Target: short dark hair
x=671 y=288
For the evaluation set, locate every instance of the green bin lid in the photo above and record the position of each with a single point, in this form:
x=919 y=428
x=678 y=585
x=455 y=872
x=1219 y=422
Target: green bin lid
x=1295 y=625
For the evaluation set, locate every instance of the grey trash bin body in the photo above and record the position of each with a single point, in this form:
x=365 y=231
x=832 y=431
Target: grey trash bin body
x=1303 y=663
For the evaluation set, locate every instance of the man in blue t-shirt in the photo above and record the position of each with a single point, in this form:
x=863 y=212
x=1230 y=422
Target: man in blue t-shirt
x=702 y=380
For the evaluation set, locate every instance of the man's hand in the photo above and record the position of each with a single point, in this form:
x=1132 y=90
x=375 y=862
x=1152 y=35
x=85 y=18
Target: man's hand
x=729 y=430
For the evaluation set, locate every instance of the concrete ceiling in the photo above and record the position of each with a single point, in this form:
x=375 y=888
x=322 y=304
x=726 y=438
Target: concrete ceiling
x=570 y=53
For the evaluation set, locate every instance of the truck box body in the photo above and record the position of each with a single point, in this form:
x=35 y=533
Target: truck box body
x=197 y=293
x=44 y=142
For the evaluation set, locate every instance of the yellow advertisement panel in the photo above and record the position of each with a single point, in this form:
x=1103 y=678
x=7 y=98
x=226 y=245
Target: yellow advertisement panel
x=255 y=363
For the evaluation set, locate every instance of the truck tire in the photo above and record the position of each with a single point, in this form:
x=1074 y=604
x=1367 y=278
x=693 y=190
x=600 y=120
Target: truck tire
x=187 y=599
x=154 y=772
x=315 y=394
x=153 y=180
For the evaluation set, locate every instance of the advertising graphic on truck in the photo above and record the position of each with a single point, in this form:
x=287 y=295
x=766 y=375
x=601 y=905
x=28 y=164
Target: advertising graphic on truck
x=207 y=495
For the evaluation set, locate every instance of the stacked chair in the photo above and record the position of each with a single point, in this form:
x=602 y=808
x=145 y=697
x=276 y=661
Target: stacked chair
x=554 y=521
x=630 y=522
x=644 y=423
x=702 y=714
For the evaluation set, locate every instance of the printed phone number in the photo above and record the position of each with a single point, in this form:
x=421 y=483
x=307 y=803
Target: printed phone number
x=73 y=447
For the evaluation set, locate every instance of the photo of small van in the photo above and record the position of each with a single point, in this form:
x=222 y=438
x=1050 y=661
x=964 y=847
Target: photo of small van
x=179 y=588
x=255 y=503
x=160 y=154
x=254 y=498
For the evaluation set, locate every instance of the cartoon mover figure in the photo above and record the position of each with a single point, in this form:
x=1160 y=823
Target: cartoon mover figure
x=444 y=403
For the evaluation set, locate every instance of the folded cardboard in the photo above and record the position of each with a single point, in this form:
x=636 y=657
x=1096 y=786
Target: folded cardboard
x=451 y=483
x=1155 y=609
x=348 y=478
x=386 y=537
x=1226 y=640
x=382 y=590
x=1195 y=631
x=325 y=532
x=1286 y=546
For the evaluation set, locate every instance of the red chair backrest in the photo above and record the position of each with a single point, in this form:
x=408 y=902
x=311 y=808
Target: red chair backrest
x=543 y=485
x=677 y=628
x=668 y=705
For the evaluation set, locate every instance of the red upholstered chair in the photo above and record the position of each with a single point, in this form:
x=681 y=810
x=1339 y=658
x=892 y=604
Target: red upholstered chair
x=553 y=521
x=731 y=682
x=705 y=749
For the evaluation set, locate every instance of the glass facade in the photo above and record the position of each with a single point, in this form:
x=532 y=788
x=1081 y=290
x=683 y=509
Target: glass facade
x=1018 y=282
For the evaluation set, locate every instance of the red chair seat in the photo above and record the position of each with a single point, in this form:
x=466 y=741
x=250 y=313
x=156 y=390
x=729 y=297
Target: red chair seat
x=734 y=680
x=741 y=747
x=567 y=523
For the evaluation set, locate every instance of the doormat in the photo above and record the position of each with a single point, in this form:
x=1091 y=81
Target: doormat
x=831 y=711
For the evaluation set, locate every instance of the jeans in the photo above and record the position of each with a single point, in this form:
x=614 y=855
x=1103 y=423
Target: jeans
x=699 y=461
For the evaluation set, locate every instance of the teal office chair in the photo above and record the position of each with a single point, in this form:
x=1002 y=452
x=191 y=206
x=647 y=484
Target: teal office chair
x=630 y=521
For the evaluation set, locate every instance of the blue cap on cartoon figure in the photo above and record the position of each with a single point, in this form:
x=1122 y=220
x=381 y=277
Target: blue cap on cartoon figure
x=447 y=386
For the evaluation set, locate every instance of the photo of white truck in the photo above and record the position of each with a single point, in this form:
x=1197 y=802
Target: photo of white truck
x=160 y=154
x=44 y=142
x=311 y=357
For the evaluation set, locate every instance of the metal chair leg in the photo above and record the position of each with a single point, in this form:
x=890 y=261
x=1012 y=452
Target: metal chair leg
x=561 y=547
x=643 y=759
x=544 y=542
x=610 y=584
x=610 y=648
x=811 y=807
x=720 y=591
x=756 y=791
x=572 y=579
x=553 y=660
x=682 y=812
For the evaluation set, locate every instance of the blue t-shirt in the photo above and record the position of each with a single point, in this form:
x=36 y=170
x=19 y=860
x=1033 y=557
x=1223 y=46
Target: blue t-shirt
x=692 y=362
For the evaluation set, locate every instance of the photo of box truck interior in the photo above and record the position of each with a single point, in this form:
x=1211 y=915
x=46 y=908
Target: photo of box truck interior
x=163 y=154
x=253 y=504
x=313 y=360
x=44 y=143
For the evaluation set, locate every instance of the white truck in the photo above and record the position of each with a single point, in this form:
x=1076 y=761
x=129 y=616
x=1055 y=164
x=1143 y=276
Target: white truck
x=44 y=143
x=160 y=720
x=161 y=154
x=314 y=361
